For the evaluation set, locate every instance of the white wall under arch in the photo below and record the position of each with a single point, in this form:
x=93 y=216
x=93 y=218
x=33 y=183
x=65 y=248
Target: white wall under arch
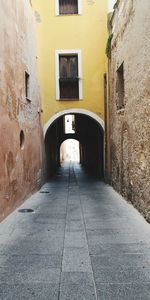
x=73 y=111
x=70 y=150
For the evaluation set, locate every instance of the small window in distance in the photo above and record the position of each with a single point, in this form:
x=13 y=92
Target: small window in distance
x=27 y=86
x=68 y=76
x=69 y=124
x=120 y=87
x=67 y=7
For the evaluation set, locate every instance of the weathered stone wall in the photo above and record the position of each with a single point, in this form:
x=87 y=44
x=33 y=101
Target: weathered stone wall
x=20 y=165
x=130 y=126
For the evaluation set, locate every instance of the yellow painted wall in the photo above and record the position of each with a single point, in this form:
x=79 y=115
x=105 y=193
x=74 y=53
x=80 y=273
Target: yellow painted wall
x=87 y=32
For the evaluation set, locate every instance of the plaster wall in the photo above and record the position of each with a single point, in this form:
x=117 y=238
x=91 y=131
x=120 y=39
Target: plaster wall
x=20 y=165
x=86 y=32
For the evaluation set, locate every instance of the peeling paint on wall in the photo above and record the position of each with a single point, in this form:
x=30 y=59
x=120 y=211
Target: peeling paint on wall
x=20 y=161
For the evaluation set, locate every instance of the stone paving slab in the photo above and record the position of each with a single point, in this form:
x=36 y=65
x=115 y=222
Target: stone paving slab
x=133 y=291
x=117 y=248
x=30 y=291
x=77 y=285
x=76 y=260
x=121 y=274
x=72 y=226
x=35 y=261
x=95 y=238
x=26 y=274
x=75 y=239
x=82 y=242
x=26 y=246
x=121 y=260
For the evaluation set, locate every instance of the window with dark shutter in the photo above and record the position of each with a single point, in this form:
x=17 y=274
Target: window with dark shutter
x=68 y=7
x=68 y=77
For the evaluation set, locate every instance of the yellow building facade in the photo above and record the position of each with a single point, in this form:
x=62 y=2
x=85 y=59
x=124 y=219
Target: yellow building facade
x=86 y=32
x=71 y=38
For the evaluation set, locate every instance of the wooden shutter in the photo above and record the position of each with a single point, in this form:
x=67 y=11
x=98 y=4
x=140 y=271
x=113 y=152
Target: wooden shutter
x=68 y=77
x=68 y=7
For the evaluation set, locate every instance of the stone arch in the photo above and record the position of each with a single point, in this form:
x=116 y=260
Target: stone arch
x=88 y=113
x=89 y=131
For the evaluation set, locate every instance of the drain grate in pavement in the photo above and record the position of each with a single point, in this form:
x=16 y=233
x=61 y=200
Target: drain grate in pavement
x=26 y=210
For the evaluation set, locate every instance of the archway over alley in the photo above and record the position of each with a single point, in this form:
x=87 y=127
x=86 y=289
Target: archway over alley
x=84 y=126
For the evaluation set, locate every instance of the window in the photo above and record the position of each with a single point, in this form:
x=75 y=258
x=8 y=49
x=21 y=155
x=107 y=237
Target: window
x=22 y=139
x=69 y=124
x=68 y=77
x=68 y=73
x=120 y=86
x=27 y=85
x=68 y=7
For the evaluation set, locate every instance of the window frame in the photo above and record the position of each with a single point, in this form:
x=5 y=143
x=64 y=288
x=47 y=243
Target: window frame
x=57 y=9
x=68 y=52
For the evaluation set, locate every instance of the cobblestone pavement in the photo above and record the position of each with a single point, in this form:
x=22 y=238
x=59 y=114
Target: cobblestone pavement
x=82 y=242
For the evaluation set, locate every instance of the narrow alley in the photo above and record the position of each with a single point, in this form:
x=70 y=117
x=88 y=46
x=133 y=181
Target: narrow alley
x=82 y=241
